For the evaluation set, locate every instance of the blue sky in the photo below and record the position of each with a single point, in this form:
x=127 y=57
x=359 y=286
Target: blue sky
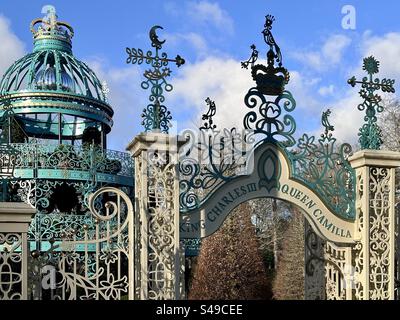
x=213 y=37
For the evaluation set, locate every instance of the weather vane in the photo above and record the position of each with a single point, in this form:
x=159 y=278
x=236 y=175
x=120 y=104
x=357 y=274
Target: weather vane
x=156 y=116
x=270 y=80
x=370 y=134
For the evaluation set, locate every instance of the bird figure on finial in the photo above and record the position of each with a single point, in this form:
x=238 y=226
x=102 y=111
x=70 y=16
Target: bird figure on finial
x=269 y=38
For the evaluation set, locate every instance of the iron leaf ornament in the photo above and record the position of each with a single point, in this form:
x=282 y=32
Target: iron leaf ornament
x=322 y=165
x=156 y=116
x=370 y=134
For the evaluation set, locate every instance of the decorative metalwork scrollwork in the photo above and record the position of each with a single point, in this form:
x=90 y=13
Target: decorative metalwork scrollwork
x=314 y=267
x=11 y=276
x=211 y=158
x=206 y=162
x=265 y=118
x=324 y=167
x=163 y=245
x=68 y=157
x=335 y=271
x=379 y=235
x=94 y=259
x=270 y=80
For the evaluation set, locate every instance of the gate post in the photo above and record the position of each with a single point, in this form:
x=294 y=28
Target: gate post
x=157 y=204
x=374 y=251
x=14 y=223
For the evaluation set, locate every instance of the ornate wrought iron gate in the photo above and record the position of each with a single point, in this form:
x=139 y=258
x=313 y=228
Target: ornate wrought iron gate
x=185 y=188
x=92 y=261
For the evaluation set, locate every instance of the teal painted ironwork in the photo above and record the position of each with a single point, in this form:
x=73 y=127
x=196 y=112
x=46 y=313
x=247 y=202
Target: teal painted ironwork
x=192 y=247
x=265 y=118
x=217 y=157
x=60 y=119
x=208 y=116
x=211 y=158
x=270 y=80
x=8 y=154
x=370 y=135
x=47 y=160
x=50 y=81
x=322 y=165
x=156 y=115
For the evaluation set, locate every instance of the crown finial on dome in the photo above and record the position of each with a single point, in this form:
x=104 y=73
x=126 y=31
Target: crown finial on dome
x=50 y=28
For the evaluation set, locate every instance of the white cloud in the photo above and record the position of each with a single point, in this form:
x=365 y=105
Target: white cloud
x=326 y=90
x=126 y=97
x=302 y=89
x=386 y=49
x=223 y=80
x=195 y=40
x=207 y=12
x=333 y=48
x=346 y=118
x=11 y=47
x=328 y=56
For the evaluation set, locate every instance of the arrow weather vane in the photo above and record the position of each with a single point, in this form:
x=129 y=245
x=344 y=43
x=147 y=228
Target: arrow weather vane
x=156 y=116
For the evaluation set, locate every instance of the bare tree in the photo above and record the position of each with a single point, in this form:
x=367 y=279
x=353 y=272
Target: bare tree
x=389 y=122
x=289 y=280
x=269 y=217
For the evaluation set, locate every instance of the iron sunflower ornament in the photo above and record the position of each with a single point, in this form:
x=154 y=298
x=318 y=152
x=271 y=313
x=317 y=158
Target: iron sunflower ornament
x=371 y=65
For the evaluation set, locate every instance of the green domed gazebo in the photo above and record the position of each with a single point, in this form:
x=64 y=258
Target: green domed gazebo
x=53 y=94
x=58 y=121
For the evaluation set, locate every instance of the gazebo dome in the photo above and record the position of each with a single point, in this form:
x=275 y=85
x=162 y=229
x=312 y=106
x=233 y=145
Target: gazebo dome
x=52 y=69
x=51 y=81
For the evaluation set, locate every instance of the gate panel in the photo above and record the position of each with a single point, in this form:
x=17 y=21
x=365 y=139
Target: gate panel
x=93 y=261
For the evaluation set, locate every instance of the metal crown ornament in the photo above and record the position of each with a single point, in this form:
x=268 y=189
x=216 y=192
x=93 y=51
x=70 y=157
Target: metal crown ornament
x=270 y=80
